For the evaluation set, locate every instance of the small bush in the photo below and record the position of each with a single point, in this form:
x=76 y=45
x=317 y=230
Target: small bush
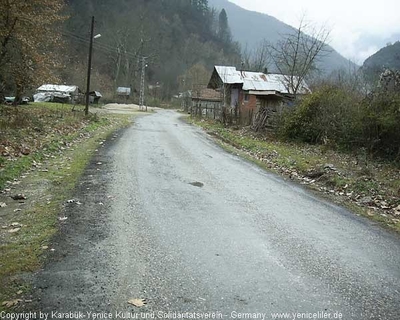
x=381 y=124
x=337 y=117
x=320 y=117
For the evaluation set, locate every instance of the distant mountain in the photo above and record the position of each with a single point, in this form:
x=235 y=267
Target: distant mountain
x=387 y=57
x=250 y=28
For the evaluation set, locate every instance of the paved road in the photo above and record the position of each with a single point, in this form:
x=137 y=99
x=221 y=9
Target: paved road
x=170 y=217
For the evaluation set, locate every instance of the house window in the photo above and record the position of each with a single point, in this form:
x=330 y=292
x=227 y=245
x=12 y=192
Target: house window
x=246 y=97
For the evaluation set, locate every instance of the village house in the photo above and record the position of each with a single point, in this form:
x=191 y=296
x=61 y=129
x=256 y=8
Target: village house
x=245 y=94
x=206 y=102
x=124 y=92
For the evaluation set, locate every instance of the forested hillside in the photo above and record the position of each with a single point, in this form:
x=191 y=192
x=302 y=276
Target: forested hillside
x=181 y=39
x=388 y=57
x=45 y=41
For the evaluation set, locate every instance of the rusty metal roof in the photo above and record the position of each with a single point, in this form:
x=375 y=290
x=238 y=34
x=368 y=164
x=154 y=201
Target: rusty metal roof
x=257 y=81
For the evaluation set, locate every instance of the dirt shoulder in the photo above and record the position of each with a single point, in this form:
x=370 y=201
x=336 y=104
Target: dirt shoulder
x=118 y=108
x=368 y=188
x=40 y=168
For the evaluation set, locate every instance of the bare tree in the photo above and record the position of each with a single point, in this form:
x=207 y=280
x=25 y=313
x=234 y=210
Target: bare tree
x=127 y=41
x=297 y=54
x=29 y=43
x=259 y=59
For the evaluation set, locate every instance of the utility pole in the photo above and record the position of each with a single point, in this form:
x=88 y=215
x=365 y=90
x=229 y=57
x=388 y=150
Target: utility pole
x=142 y=84
x=89 y=67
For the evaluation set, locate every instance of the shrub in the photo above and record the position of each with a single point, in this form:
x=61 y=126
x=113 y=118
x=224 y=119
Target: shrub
x=381 y=123
x=321 y=117
x=338 y=117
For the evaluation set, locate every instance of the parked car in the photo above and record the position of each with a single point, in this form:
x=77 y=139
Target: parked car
x=10 y=100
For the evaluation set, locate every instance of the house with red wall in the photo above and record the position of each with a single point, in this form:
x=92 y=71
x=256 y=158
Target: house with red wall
x=244 y=93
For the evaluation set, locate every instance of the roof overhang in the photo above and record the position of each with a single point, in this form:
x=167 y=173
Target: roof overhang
x=265 y=93
x=207 y=99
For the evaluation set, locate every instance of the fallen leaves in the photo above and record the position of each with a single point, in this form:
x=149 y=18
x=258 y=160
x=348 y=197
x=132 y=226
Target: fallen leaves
x=16 y=224
x=373 y=188
x=138 y=302
x=76 y=201
x=15 y=227
x=22 y=138
x=19 y=196
x=11 y=303
x=366 y=200
x=25 y=150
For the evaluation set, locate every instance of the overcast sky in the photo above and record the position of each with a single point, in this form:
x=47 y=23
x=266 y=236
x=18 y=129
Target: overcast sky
x=358 y=28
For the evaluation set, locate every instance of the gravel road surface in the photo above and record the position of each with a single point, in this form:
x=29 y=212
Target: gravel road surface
x=166 y=215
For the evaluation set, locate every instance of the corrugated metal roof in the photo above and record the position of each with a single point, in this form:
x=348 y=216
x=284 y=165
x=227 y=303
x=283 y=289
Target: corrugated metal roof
x=257 y=81
x=229 y=75
x=124 y=90
x=95 y=93
x=57 y=88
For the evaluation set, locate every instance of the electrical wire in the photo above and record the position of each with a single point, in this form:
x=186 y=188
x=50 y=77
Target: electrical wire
x=99 y=46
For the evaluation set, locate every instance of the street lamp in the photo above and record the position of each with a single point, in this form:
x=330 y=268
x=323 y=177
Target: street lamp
x=90 y=64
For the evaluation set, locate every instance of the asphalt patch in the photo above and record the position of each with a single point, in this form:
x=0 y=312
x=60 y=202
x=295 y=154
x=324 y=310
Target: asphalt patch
x=197 y=184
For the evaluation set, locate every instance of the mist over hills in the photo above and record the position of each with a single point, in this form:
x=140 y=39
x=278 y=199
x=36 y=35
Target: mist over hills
x=250 y=28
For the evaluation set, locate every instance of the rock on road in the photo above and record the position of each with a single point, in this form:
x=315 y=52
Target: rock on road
x=170 y=217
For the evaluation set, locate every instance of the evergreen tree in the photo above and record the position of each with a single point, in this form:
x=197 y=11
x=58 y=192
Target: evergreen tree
x=224 y=32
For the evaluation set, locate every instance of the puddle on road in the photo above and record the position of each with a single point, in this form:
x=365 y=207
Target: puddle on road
x=197 y=184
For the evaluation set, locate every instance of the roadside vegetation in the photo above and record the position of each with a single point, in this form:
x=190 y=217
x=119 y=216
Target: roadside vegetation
x=367 y=185
x=30 y=134
x=44 y=150
x=341 y=118
x=342 y=139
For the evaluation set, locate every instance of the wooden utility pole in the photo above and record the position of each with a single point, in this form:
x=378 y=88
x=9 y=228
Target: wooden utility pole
x=142 y=85
x=89 y=67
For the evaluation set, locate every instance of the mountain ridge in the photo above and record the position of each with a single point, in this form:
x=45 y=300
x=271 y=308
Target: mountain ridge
x=386 y=57
x=249 y=28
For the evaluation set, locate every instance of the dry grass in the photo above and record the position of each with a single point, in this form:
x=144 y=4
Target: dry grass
x=61 y=143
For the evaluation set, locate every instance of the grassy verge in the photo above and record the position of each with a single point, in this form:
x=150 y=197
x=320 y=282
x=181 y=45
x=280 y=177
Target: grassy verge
x=31 y=133
x=368 y=188
x=47 y=177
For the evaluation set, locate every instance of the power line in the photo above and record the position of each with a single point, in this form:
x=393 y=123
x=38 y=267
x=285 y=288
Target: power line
x=99 y=46
x=77 y=37
x=102 y=47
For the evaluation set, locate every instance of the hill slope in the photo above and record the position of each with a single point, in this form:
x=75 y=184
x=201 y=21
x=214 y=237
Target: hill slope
x=388 y=57
x=174 y=35
x=249 y=27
